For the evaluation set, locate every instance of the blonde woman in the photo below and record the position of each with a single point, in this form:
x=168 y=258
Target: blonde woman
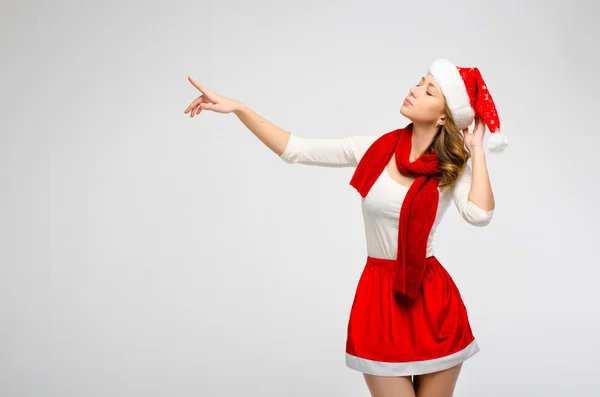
x=408 y=331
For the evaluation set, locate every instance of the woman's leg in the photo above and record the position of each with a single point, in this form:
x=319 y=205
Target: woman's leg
x=437 y=384
x=390 y=386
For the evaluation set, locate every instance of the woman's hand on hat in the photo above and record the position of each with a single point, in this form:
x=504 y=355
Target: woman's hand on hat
x=474 y=140
x=210 y=100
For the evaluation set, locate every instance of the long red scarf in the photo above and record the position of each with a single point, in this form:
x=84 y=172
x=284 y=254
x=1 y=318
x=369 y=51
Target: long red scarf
x=419 y=207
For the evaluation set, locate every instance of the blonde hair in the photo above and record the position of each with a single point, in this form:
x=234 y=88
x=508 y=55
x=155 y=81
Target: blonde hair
x=449 y=146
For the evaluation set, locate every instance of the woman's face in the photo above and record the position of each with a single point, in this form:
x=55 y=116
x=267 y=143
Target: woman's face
x=425 y=102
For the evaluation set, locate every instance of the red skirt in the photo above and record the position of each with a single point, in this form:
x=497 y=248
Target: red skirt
x=392 y=335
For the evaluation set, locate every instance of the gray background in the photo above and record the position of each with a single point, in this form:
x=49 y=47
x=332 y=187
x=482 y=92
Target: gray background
x=145 y=253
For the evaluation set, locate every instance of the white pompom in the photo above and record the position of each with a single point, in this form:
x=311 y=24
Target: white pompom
x=497 y=142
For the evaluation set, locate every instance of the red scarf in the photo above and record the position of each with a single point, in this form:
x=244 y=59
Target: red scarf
x=419 y=207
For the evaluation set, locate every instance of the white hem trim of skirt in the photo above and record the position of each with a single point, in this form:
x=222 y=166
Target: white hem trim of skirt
x=413 y=367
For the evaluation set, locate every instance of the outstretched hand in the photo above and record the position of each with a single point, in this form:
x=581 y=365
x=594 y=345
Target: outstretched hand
x=210 y=101
x=474 y=139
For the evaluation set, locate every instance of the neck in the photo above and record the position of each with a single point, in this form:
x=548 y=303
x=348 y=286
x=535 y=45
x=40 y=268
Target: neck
x=423 y=135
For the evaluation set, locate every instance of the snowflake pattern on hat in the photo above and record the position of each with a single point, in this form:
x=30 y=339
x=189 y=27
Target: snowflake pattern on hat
x=480 y=97
x=467 y=95
x=484 y=106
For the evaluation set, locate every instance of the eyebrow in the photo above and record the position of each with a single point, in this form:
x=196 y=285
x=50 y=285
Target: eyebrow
x=429 y=84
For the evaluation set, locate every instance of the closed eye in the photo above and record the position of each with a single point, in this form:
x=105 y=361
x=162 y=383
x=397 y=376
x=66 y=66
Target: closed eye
x=428 y=93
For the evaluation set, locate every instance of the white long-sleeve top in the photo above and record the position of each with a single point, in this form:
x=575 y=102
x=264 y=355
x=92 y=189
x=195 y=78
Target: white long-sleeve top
x=381 y=207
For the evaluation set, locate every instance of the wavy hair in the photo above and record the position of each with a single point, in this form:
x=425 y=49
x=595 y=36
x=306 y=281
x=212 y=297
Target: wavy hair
x=449 y=145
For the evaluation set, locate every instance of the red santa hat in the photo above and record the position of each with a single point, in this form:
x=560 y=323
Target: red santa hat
x=467 y=95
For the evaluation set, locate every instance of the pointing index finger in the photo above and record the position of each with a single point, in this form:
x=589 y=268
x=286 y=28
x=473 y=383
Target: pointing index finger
x=197 y=85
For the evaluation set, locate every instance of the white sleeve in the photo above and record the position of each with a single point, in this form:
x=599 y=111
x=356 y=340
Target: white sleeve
x=467 y=209
x=327 y=152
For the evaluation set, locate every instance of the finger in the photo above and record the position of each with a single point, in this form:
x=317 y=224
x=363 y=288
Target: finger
x=195 y=109
x=480 y=124
x=197 y=102
x=193 y=104
x=199 y=86
x=210 y=106
x=198 y=110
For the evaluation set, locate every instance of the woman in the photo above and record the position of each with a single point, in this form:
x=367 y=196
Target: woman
x=408 y=331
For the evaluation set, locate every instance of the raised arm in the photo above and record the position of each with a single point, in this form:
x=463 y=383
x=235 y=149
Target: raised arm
x=268 y=133
x=332 y=152
x=326 y=152
x=468 y=210
x=272 y=136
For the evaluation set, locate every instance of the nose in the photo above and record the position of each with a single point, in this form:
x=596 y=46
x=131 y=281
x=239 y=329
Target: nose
x=411 y=91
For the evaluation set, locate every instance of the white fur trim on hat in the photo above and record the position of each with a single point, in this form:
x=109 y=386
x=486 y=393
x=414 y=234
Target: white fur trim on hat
x=453 y=87
x=497 y=142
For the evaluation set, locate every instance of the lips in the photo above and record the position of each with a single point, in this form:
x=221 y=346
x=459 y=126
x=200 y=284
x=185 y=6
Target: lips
x=408 y=101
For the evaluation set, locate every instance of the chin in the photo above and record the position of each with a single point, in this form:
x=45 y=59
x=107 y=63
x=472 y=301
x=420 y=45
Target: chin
x=404 y=112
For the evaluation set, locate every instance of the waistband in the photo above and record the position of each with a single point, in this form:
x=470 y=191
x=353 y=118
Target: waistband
x=392 y=263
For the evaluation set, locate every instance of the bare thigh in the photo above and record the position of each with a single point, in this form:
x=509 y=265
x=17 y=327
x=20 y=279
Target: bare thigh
x=437 y=384
x=390 y=386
